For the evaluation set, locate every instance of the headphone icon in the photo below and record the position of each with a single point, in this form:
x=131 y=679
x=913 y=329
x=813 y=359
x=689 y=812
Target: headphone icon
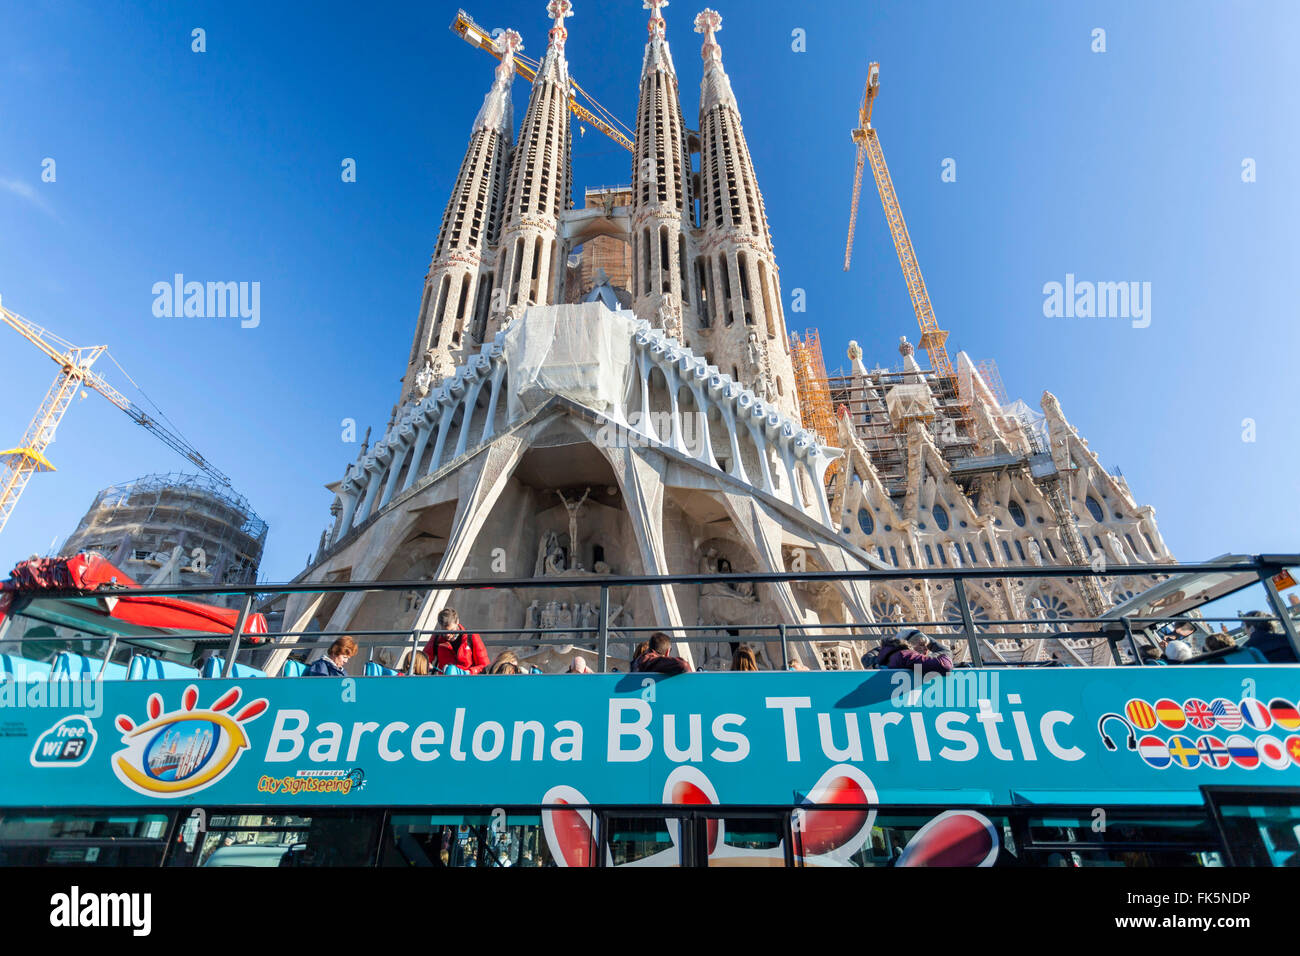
x=1105 y=737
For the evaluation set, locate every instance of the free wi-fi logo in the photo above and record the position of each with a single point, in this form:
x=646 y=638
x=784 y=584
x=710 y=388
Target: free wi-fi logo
x=183 y=751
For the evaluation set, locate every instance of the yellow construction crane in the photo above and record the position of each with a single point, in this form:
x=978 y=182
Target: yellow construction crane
x=17 y=465
x=465 y=27
x=933 y=338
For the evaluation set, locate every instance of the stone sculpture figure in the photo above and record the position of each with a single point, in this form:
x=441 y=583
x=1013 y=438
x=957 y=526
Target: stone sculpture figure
x=1035 y=552
x=954 y=555
x=1115 y=548
x=548 y=546
x=572 y=507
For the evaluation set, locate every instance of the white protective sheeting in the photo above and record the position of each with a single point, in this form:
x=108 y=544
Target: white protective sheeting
x=583 y=352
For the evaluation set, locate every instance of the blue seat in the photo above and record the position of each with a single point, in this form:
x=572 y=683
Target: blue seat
x=21 y=669
x=151 y=668
x=216 y=666
x=69 y=666
x=379 y=670
x=292 y=668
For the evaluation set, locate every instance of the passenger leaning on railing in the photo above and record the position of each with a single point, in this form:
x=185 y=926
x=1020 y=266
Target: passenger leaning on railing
x=910 y=648
x=335 y=661
x=658 y=659
x=1267 y=638
x=453 y=647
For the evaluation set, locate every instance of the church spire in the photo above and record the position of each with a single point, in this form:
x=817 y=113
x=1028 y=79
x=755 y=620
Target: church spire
x=716 y=87
x=497 y=112
x=554 y=66
x=661 y=189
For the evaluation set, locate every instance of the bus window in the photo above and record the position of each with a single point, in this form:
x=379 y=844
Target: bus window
x=942 y=838
x=743 y=840
x=474 y=840
x=643 y=841
x=1119 y=838
x=82 y=838
x=1260 y=828
x=333 y=839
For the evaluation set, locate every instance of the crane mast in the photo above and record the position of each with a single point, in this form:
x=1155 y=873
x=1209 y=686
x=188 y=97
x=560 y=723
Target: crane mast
x=933 y=338
x=17 y=465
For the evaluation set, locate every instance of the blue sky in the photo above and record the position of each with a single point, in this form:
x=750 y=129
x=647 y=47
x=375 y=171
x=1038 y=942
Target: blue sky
x=225 y=166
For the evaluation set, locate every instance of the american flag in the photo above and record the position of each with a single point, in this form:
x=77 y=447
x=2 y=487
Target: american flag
x=1226 y=713
x=1199 y=714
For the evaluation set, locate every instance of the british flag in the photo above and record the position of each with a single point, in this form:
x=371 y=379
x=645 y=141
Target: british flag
x=1226 y=713
x=1199 y=714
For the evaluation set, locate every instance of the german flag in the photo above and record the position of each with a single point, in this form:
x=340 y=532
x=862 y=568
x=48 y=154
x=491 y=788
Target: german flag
x=1284 y=713
x=1140 y=714
x=1170 y=713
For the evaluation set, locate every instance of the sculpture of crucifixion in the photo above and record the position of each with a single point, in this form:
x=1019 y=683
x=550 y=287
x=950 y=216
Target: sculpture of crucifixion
x=572 y=507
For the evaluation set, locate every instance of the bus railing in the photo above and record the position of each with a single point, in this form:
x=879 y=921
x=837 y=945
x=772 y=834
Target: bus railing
x=1129 y=632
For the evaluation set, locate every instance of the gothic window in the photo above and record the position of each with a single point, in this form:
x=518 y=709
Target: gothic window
x=1020 y=550
x=702 y=302
x=943 y=554
x=727 y=317
x=881 y=551
x=645 y=261
x=665 y=262
x=1129 y=539
x=779 y=389
x=1094 y=508
x=940 y=517
x=989 y=551
x=929 y=555
x=1006 y=549
x=911 y=555
x=1050 y=550
x=1151 y=544
x=864 y=521
x=893 y=556
x=1017 y=513
x=971 y=549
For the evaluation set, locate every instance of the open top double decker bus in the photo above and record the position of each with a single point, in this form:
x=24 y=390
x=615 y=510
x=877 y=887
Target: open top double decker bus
x=1188 y=765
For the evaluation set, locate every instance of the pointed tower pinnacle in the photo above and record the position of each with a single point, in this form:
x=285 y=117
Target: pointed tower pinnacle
x=530 y=263
x=661 y=191
x=454 y=311
x=739 y=304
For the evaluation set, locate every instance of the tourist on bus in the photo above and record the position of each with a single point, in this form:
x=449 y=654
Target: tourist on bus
x=658 y=659
x=579 y=666
x=453 y=647
x=335 y=661
x=744 y=659
x=915 y=649
x=1267 y=638
x=506 y=663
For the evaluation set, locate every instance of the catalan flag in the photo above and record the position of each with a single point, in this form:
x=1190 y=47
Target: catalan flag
x=1214 y=753
x=1141 y=714
x=1255 y=714
x=1284 y=713
x=1184 y=752
x=1243 y=752
x=1226 y=713
x=1153 y=750
x=1169 y=713
x=1198 y=713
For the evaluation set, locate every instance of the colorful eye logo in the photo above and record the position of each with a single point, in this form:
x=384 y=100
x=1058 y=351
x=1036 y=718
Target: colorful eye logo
x=183 y=751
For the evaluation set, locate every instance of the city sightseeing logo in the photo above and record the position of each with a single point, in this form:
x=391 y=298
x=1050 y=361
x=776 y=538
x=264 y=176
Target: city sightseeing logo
x=1190 y=747
x=183 y=751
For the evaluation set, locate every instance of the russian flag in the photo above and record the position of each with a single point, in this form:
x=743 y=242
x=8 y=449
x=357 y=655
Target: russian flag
x=1243 y=752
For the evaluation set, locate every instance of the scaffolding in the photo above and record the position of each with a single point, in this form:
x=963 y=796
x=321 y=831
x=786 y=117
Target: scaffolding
x=810 y=381
x=988 y=369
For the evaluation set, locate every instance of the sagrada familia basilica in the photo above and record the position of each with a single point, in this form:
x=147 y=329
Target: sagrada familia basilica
x=648 y=422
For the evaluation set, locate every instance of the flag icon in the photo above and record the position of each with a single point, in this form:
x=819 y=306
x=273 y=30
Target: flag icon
x=1170 y=714
x=1271 y=752
x=1255 y=714
x=1293 y=748
x=1153 y=750
x=1141 y=714
x=1184 y=752
x=1226 y=713
x=1284 y=713
x=1243 y=752
x=1198 y=713
x=1215 y=754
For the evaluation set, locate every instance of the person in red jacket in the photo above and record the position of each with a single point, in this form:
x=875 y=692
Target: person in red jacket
x=453 y=646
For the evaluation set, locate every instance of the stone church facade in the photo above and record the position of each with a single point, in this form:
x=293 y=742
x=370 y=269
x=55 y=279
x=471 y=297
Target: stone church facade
x=656 y=429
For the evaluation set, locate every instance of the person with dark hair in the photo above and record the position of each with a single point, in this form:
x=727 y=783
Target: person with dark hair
x=658 y=659
x=1267 y=638
x=335 y=661
x=452 y=647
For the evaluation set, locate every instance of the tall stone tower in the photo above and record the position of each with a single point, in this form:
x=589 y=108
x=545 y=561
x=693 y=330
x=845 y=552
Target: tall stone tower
x=455 y=308
x=661 y=190
x=530 y=270
x=740 y=319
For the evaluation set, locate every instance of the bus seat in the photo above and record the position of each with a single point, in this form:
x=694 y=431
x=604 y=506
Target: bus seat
x=151 y=668
x=292 y=668
x=216 y=666
x=69 y=666
x=22 y=670
x=379 y=670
